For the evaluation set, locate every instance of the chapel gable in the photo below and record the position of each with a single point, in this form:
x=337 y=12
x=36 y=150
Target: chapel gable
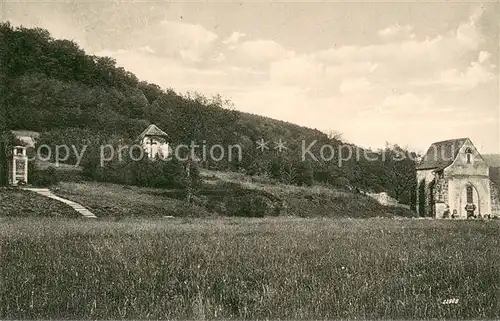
x=468 y=161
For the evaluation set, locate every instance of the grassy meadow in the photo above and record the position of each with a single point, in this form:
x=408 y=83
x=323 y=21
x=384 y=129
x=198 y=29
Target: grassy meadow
x=19 y=203
x=287 y=268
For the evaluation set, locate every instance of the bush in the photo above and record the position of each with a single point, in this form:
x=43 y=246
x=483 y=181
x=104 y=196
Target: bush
x=144 y=172
x=42 y=177
x=305 y=174
x=341 y=182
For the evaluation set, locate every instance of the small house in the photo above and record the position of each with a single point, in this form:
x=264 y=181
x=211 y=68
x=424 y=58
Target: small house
x=154 y=141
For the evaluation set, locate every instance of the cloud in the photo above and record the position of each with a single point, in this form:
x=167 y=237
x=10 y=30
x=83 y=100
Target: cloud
x=169 y=73
x=260 y=52
x=398 y=85
x=468 y=32
x=350 y=69
x=483 y=56
x=354 y=86
x=319 y=77
x=397 y=31
x=453 y=60
x=409 y=54
x=298 y=70
x=59 y=26
x=191 y=43
x=407 y=103
x=234 y=38
x=474 y=75
x=188 y=33
x=464 y=79
x=220 y=58
x=146 y=49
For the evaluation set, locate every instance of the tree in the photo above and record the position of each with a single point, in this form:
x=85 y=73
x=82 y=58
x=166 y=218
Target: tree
x=192 y=179
x=5 y=32
x=421 y=198
x=305 y=175
x=288 y=174
x=399 y=173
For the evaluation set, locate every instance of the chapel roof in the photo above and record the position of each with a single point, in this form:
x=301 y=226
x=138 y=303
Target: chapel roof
x=153 y=130
x=28 y=137
x=441 y=154
x=30 y=133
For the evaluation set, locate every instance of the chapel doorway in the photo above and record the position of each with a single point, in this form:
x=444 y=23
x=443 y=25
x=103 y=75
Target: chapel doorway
x=470 y=202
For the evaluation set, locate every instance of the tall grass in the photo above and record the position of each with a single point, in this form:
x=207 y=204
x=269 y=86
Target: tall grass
x=249 y=269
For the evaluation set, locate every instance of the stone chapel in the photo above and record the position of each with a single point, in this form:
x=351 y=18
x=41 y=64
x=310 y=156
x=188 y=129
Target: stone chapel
x=453 y=181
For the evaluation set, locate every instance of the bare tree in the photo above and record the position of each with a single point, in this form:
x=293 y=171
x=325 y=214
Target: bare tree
x=335 y=135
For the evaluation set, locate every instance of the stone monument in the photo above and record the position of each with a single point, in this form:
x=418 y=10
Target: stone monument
x=18 y=172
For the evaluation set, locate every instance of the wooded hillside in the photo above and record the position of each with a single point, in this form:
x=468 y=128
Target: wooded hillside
x=54 y=87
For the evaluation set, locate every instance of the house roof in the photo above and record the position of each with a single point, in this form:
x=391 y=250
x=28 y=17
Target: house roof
x=493 y=160
x=153 y=130
x=441 y=154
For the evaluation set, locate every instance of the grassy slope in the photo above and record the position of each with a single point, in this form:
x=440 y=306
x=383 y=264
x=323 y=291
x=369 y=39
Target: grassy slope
x=21 y=203
x=117 y=201
x=250 y=269
x=311 y=201
x=111 y=200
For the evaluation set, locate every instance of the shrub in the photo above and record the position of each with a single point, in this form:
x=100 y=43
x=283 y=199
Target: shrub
x=42 y=177
x=143 y=172
x=275 y=168
x=341 y=182
x=305 y=174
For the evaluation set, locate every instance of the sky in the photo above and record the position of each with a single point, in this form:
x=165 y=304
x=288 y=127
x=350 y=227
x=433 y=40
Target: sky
x=409 y=73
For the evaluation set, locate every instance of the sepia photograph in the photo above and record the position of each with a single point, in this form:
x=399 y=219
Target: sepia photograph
x=249 y=160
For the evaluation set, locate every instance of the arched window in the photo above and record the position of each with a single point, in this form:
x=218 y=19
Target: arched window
x=469 y=194
x=468 y=153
